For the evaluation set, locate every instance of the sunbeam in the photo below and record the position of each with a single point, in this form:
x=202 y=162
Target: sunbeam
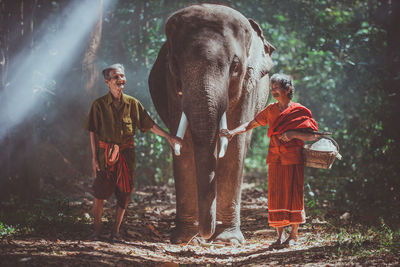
x=54 y=52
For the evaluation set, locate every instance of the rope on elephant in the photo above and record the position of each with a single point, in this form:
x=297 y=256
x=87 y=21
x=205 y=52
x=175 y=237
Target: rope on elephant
x=190 y=240
x=203 y=243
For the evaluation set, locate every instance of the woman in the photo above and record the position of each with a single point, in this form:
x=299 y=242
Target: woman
x=289 y=125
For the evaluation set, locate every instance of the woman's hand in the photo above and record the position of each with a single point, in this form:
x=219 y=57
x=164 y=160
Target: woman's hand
x=314 y=137
x=226 y=133
x=289 y=135
x=286 y=136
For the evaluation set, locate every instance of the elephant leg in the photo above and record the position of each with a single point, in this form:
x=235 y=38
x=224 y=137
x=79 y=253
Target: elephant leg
x=229 y=183
x=186 y=194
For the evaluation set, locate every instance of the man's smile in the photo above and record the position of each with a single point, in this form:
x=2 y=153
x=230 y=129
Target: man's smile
x=121 y=84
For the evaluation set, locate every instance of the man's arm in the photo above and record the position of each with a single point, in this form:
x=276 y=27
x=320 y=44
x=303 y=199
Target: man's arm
x=95 y=162
x=245 y=127
x=171 y=139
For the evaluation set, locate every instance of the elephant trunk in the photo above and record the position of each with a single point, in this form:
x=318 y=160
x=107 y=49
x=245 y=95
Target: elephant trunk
x=204 y=113
x=183 y=124
x=207 y=190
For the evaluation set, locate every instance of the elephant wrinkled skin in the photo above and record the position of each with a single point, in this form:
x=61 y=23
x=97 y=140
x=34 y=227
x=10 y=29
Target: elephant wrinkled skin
x=214 y=61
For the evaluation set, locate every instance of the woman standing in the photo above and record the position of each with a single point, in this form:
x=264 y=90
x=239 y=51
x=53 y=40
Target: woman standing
x=289 y=125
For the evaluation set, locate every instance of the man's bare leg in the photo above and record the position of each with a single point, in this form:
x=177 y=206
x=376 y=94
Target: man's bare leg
x=118 y=220
x=97 y=213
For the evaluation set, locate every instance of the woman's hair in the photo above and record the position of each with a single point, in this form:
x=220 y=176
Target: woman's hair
x=285 y=82
x=116 y=66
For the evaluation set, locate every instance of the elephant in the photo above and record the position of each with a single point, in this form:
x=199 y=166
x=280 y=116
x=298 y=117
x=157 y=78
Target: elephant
x=213 y=66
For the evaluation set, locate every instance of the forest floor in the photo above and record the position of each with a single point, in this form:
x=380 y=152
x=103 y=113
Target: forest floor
x=52 y=232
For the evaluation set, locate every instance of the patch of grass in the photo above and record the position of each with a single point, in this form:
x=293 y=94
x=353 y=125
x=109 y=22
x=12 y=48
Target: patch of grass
x=22 y=218
x=364 y=241
x=6 y=230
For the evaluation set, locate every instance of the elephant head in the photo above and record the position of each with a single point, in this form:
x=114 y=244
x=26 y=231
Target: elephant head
x=214 y=58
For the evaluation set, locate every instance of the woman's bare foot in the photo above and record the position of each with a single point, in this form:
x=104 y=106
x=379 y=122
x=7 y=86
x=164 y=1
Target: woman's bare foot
x=276 y=245
x=291 y=241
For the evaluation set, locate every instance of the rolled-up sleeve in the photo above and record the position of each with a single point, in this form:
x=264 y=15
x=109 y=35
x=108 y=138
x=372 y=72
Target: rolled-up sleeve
x=93 y=121
x=143 y=120
x=262 y=117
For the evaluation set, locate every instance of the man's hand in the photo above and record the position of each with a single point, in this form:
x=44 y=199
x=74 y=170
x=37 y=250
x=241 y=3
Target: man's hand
x=225 y=132
x=172 y=140
x=95 y=166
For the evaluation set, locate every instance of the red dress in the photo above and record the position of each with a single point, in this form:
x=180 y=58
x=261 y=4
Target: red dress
x=286 y=166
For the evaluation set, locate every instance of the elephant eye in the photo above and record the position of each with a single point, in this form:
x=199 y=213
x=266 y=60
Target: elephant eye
x=235 y=67
x=268 y=48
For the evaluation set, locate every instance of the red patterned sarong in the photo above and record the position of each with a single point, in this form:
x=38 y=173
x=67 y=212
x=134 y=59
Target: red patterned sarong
x=115 y=160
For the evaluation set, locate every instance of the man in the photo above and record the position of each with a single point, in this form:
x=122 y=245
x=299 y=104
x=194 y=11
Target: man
x=112 y=121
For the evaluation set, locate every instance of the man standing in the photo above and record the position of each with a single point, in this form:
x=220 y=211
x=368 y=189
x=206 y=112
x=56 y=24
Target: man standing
x=112 y=121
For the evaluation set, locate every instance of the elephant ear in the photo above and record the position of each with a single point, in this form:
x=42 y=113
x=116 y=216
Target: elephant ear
x=259 y=57
x=158 y=84
x=268 y=47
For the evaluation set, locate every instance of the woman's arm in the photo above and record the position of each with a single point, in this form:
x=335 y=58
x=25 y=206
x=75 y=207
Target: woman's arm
x=245 y=127
x=304 y=136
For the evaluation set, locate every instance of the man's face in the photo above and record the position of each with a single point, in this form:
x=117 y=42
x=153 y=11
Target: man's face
x=278 y=92
x=117 y=82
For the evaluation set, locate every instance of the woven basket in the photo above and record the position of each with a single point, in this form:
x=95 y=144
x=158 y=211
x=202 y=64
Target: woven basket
x=320 y=159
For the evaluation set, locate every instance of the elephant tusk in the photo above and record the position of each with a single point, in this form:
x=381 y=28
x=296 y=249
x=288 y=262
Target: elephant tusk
x=224 y=140
x=183 y=124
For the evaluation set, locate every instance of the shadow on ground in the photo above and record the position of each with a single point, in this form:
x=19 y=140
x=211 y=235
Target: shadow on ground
x=146 y=228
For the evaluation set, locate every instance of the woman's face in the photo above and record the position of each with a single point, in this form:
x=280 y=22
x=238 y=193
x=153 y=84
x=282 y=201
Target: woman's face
x=278 y=92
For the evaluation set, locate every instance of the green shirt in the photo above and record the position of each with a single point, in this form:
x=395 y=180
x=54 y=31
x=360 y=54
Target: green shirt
x=117 y=125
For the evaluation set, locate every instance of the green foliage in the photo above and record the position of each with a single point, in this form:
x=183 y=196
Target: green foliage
x=367 y=241
x=257 y=154
x=6 y=230
x=339 y=75
x=153 y=157
x=36 y=217
x=335 y=51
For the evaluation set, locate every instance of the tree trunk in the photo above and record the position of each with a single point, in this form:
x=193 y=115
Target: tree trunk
x=392 y=129
x=17 y=20
x=90 y=73
x=26 y=168
x=4 y=60
x=393 y=59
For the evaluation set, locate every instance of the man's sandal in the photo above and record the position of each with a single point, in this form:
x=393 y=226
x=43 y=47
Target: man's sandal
x=116 y=239
x=93 y=237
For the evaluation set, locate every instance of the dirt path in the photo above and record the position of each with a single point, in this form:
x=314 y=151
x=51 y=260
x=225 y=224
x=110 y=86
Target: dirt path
x=149 y=220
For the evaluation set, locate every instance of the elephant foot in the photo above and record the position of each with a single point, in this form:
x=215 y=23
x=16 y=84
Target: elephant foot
x=183 y=233
x=231 y=235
